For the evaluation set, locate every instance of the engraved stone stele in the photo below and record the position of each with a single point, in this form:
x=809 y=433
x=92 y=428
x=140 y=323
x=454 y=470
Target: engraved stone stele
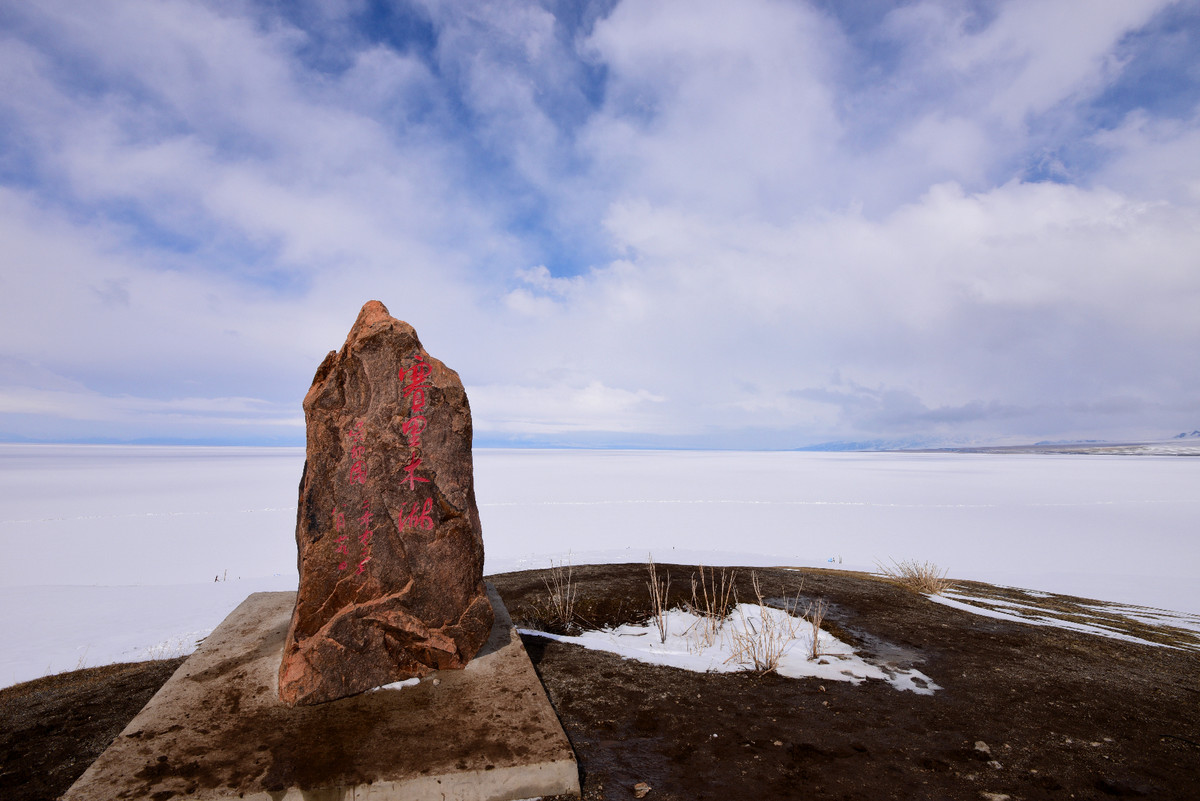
x=390 y=545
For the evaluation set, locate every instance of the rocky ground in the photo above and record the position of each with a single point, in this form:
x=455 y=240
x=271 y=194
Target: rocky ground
x=1025 y=712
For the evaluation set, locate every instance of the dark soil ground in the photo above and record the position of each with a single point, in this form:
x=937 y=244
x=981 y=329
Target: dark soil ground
x=1025 y=712
x=52 y=728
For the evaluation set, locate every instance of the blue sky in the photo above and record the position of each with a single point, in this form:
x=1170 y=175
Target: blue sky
x=765 y=224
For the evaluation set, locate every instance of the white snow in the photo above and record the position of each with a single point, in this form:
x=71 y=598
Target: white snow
x=1116 y=528
x=836 y=661
x=397 y=685
x=110 y=551
x=1152 y=617
x=1037 y=620
x=1036 y=615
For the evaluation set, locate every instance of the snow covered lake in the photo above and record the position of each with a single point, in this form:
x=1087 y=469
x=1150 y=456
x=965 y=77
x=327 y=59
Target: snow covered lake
x=110 y=552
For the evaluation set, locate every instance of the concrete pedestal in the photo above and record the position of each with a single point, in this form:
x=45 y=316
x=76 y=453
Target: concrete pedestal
x=217 y=730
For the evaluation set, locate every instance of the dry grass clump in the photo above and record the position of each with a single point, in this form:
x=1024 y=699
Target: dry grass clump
x=757 y=640
x=816 y=616
x=712 y=601
x=923 y=577
x=557 y=613
x=761 y=647
x=659 y=587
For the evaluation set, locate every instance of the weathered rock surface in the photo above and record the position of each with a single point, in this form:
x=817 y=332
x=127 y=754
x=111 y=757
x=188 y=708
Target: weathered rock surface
x=390 y=545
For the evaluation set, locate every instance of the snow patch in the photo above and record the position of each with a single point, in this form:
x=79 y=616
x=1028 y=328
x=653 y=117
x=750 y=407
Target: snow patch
x=397 y=685
x=1038 y=616
x=836 y=660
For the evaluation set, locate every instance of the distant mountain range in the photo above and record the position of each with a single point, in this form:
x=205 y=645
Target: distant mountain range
x=1187 y=435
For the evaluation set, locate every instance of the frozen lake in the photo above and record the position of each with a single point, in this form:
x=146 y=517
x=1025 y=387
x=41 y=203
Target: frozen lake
x=110 y=552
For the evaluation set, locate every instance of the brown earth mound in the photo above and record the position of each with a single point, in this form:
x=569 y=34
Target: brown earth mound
x=1025 y=712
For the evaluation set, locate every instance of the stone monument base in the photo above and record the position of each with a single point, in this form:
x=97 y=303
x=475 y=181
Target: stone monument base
x=217 y=729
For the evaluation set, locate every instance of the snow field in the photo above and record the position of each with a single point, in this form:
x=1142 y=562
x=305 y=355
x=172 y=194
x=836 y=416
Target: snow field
x=110 y=551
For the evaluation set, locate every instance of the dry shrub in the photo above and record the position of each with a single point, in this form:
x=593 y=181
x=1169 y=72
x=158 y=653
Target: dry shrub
x=558 y=612
x=816 y=616
x=659 y=587
x=924 y=577
x=761 y=647
x=712 y=601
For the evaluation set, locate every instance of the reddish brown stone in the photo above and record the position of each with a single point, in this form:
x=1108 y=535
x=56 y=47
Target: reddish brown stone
x=390 y=546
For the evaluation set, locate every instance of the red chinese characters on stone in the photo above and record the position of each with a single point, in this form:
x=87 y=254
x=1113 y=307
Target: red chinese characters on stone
x=358 y=453
x=339 y=527
x=418 y=516
x=364 y=539
x=412 y=428
x=417 y=386
x=357 y=436
x=410 y=470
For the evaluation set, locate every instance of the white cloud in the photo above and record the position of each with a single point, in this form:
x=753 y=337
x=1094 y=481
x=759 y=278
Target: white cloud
x=561 y=408
x=1022 y=294
x=146 y=412
x=1157 y=159
x=742 y=220
x=719 y=107
x=1034 y=64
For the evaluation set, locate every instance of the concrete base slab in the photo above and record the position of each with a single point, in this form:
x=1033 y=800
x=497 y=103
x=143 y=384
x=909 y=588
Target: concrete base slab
x=217 y=730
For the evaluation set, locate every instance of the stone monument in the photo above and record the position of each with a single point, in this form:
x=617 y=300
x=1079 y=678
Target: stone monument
x=390 y=545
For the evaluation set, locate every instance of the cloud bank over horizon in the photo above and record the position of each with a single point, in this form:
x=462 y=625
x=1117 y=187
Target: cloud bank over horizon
x=624 y=222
